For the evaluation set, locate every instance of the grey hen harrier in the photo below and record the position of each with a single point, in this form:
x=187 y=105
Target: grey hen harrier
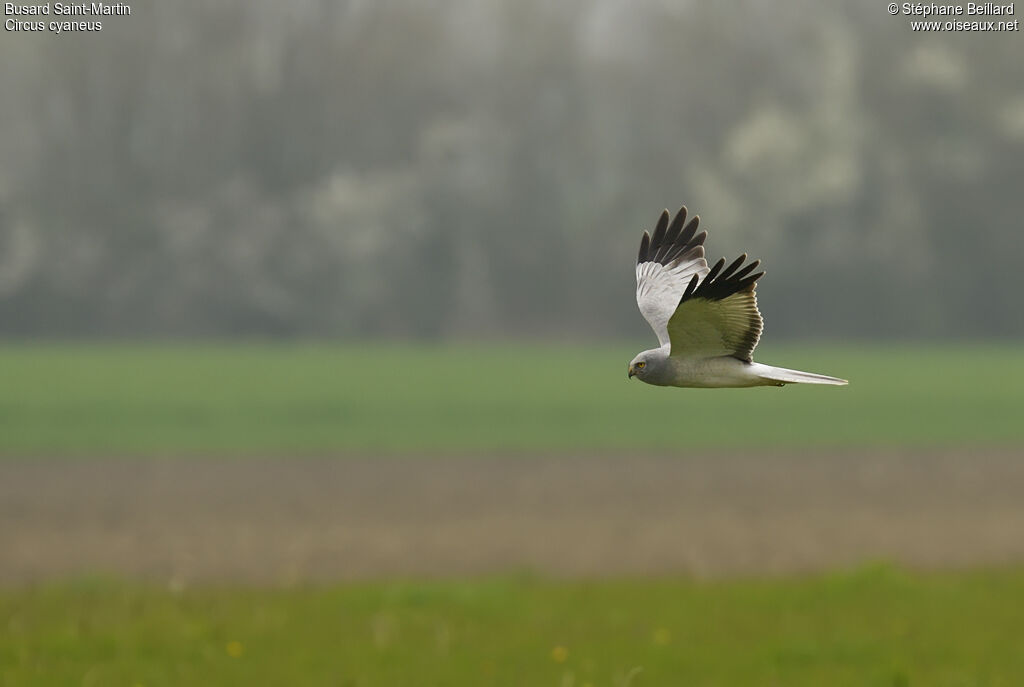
x=706 y=319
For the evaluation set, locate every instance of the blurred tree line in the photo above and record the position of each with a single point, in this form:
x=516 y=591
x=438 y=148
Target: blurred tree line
x=484 y=168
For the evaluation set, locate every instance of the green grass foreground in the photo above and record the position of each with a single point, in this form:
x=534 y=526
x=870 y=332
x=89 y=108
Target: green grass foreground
x=876 y=626
x=266 y=399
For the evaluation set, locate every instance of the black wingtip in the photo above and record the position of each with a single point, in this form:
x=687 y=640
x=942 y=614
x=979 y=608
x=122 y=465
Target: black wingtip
x=719 y=284
x=690 y=288
x=690 y=230
x=747 y=270
x=672 y=241
x=733 y=265
x=676 y=226
x=749 y=283
x=645 y=244
x=659 y=231
x=715 y=270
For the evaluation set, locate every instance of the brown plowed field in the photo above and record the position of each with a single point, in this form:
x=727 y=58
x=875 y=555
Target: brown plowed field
x=287 y=521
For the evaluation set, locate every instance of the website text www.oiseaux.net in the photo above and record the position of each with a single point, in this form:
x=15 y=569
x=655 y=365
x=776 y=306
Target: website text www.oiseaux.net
x=970 y=17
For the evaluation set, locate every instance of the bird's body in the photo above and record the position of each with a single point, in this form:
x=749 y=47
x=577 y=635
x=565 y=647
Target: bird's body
x=706 y=319
x=663 y=369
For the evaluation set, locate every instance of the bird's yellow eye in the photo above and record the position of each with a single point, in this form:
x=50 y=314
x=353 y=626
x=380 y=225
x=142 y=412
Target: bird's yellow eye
x=640 y=365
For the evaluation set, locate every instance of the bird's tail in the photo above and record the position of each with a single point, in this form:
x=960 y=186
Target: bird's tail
x=780 y=376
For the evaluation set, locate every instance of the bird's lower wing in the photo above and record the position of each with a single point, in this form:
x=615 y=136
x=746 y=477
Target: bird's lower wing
x=718 y=315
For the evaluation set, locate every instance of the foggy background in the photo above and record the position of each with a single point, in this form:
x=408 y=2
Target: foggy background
x=476 y=169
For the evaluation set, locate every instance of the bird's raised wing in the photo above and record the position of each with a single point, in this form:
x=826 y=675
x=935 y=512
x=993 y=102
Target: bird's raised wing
x=667 y=263
x=717 y=313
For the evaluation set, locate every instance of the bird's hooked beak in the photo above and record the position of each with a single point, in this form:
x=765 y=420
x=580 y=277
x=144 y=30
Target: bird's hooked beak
x=632 y=372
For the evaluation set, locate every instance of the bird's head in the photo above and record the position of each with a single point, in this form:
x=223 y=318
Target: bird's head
x=639 y=365
x=650 y=366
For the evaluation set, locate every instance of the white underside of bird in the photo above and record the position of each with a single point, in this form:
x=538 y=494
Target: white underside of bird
x=706 y=319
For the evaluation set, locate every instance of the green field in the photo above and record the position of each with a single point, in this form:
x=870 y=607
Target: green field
x=877 y=626
x=273 y=399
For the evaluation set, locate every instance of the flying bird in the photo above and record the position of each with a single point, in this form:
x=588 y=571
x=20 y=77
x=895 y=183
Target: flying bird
x=706 y=320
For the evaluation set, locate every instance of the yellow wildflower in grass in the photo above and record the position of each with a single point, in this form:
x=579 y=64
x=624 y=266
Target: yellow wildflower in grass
x=234 y=649
x=559 y=654
x=662 y=636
